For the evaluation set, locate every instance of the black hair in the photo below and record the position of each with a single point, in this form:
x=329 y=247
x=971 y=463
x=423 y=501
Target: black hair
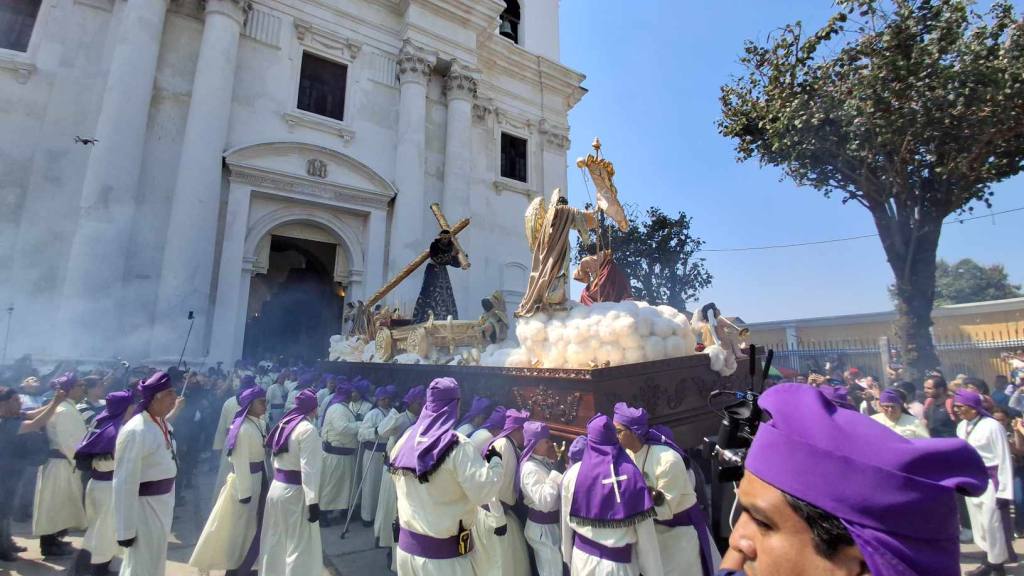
x=977 y=383
x=908 y=388
x=937 y=381
x=828 y=533
x=7 y=393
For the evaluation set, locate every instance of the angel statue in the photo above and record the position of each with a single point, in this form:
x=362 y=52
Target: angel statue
x=547 y=232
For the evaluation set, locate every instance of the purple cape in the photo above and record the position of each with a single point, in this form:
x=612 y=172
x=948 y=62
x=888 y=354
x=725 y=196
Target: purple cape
x=477 y=408
x=148 y=389
x=514 y=420
x=576 y=449
x=610 y=491
x=305 y=403
x=901 y=511
x=245 y=400
x=533 y=433
x=433 y=436
x=103 y=436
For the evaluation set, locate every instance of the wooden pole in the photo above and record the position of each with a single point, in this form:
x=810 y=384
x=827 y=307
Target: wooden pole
x=443 y=222
x=409 y=269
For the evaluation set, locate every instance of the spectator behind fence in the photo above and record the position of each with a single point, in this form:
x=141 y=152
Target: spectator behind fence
x=938 y=408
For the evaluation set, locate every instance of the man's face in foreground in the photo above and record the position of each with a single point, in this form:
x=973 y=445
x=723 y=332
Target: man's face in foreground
x=770 y=539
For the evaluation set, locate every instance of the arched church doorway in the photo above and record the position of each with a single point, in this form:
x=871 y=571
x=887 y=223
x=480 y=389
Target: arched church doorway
x=296 y=306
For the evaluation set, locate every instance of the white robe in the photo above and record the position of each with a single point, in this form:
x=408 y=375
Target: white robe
x=665 y=470
x=466 y=429
x=508 y=551
x=372 y=463
x=437 y=508
x=58 y=498
x=988 y=437
x=907 y=426
x=277 y=394
x=142 y=455
x=231 y=526
x=340 y=430
x=99 y=537
x=227 y=415
x=323 y=396
x=542 y=491
x=646 y=557
x=392 y=428
x=360 y=409
x=480 y=438
x=289 y=543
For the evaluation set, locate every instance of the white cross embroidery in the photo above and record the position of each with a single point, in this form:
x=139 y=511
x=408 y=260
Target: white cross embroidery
x=421 y=439
x=614 y=481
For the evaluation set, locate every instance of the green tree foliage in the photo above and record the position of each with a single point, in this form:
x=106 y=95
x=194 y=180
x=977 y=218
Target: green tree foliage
x=659 y=256
x=909 y=108
x=968 y=281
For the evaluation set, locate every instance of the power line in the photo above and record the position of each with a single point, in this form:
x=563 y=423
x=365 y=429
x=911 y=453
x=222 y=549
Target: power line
x=849 y=238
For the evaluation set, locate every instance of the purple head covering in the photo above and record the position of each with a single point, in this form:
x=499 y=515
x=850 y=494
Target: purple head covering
x=514 y=420
x=970 y=398
x=247 y=381
x=533 y=433
x=610 y=491
x=388 y=392
x=65 y=382
x=433 y=435
x=148 y=389
x=415 y=394
x=902 y=510
x=837 y=395
x=103 y=436
x=342 y=394
x=496 y=420
x=890 y=396
x=576 y=449
x=362 y=385
x=665 y=431
x=245 y=400
x=635 y=419
x=306 y=380
x=305 y=403
x=477 y=408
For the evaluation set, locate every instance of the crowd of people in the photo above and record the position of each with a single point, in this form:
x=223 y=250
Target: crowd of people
x=457 y=486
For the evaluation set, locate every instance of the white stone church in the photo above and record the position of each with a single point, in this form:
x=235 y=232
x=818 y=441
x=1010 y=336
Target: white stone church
x=260 y=163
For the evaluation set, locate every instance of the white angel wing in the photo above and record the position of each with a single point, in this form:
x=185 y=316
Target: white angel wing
x=534 y=221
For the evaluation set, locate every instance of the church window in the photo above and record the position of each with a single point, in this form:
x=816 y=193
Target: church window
x=513 y=157
x=508 y=25
x=321 y=86
x=17 y=18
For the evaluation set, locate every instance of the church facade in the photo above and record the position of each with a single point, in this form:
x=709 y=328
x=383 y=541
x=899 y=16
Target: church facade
x=256 y=164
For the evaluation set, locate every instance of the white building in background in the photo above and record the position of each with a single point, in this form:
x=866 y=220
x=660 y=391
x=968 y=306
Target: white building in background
x=165 y=156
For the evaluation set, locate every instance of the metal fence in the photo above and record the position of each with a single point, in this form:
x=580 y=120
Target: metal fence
x=979 y=357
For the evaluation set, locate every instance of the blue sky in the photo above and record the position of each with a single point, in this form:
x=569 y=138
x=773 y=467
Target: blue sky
x=654 y=68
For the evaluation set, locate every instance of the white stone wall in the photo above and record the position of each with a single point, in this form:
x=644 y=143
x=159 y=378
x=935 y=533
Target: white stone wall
x=56 y=91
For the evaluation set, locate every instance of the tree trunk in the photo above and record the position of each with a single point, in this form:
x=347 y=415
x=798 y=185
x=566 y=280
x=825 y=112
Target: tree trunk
x=911 y=253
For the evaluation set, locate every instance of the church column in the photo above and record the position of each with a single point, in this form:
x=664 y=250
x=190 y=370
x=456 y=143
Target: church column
x=376 y=238
x=91 y=295
x=187 y=273
x=460 y=88
x=407 y=238
x=232 y=279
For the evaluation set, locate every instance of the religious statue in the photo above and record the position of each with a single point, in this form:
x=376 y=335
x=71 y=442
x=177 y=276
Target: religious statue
x=604 y=279
x=436 y=293
x=494 y=321
x=719 y=338
x=547 y=232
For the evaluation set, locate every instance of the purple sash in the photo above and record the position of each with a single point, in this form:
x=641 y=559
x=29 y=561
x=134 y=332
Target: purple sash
x=156 y=487
x=993 y=473
x=338 y=450
x=694 y=516
x=56 y=454
x=254 y=467
x=623 y=555
x=249 y=560
x=432 y=548
x=538 y=517
x=368 y=446
x=102 y=476
x=293 y=477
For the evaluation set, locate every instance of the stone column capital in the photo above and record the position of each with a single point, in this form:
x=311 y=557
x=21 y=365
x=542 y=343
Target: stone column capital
x=235 y=9
x=414 y=64
x=460 y=84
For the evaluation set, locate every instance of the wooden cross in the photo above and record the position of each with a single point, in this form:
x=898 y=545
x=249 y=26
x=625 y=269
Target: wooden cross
x=614 y=481
x=443 y=223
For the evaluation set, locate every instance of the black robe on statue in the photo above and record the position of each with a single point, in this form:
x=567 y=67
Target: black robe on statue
x=436 y=294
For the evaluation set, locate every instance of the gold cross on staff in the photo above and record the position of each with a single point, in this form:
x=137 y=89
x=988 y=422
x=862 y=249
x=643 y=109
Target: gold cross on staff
x=443 y=222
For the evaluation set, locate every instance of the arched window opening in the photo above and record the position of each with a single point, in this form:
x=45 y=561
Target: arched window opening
x=509 y=21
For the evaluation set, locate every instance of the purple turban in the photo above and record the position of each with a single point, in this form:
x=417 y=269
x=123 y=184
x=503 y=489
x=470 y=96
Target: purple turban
x=901 y=511
x=362 y=385
x=342 y=394
x=496 y=421
x=103 y=436
x=635 y=419
x=305 y=404
x=245 y=400
x=306 y=380
x=576 y=449
x=416 y=394
x=610 y=491
x=837 y=395
x=247 y=381
x=890 y=396
x=65 y=382
x=514 y=420
x=533 y=433
x=433 y=435
x=148 y=389
x=970 y=398
x=477 y=408
x=383 y=392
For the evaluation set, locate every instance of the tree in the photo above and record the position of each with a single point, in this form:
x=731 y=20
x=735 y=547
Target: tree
x=658 y=255
x=909 y=108
x=968 y=281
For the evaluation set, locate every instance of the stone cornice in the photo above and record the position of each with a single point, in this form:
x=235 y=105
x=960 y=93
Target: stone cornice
x=513 y=61
x=414 y=63
x=460 y=83
x=309 y=188
x=479 y=16
x=556 y=137
x=336 y=45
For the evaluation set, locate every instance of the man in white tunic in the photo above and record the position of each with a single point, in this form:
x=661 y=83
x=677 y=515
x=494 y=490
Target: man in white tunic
x=339 y=431
x=96 y=453
x=373 y=449
x=290 y=539
x=277 y=394
x=227 y=415
x=607 y=511
x=144 y=470
x=491 y=427
x=498 y=532
x=323 y=396
x=58 y=498
x=392 y=428
x=474 y=417
x=441 y=481
x=230 y=539
x=893 y=414
x=306 y=381
x=541 y=486
x=988 y=437
x=681 y=525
